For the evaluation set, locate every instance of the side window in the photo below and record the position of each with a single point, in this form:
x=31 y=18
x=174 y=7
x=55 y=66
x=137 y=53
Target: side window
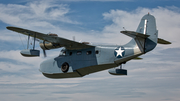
x=88 y=52
x=70 y=53
x=62 y=52
x=79 y=52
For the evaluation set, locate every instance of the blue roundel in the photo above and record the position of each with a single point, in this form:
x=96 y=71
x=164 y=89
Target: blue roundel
x=119 y=52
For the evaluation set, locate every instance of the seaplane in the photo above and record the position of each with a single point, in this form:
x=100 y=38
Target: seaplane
x=78 y=59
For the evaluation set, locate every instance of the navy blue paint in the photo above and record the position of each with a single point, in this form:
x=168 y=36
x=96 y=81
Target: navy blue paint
x=78 y=61
x=123 y=53
x=149 y=45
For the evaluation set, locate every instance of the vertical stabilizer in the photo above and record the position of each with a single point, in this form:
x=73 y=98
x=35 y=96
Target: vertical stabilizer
x=147 y=26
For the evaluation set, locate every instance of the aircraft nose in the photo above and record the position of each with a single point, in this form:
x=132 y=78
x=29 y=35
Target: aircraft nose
x=50 y=66
x=43 y=67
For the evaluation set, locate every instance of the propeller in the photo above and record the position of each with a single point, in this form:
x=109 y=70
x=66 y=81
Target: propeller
x=44 y=52
x=35 y=39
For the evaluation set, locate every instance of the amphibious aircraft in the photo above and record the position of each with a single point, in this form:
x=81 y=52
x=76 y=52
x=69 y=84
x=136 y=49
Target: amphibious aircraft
x=78 y=59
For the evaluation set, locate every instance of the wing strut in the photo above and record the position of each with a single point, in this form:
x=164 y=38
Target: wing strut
x=30 y=52
x=34 y=41
x=44 y=52
x=28 y=41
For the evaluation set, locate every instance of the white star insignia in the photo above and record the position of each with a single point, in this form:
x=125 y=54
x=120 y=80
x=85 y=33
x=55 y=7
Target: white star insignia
x=119 y=52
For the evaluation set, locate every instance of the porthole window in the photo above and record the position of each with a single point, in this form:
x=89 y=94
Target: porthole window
x=89 y=52
x=70 y=53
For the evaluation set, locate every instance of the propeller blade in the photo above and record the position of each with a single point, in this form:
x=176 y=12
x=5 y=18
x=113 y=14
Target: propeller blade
x=36 y=39
x=44 y=52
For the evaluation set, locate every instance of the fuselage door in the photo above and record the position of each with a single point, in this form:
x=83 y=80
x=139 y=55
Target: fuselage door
x=98 y=51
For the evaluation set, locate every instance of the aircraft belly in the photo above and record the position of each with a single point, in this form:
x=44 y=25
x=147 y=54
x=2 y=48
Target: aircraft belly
x=96 y=68
x=62 y=75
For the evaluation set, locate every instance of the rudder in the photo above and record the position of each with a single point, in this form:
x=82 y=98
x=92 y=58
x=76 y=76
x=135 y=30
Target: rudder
x=147 y=26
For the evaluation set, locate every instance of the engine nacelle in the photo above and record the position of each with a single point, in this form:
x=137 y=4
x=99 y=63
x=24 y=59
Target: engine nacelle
x=116 y=71
x=48 y=45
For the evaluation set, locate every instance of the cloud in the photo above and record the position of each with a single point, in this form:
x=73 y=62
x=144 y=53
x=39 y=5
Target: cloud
x=15 y=55
x=166 y=19
x=96 y=0
x=37 y=13
x=41 y=16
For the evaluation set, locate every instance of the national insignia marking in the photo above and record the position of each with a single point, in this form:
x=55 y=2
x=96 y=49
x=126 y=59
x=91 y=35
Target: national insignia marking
x=119 y=52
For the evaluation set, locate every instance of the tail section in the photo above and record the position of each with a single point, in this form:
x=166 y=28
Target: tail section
x=147 y=26
x=146 y=35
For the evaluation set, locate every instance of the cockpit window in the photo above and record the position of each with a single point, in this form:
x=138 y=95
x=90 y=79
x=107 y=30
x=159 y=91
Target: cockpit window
x=63 y=52
x=88 y=52
x=70 y=53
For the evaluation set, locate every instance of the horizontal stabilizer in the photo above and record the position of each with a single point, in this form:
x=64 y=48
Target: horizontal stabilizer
x=134 y=34
x=162 y=41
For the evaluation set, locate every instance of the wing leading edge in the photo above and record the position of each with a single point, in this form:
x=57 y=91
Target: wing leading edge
x=71 y=45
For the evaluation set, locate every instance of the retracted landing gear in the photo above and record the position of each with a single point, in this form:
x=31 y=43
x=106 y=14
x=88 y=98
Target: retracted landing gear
x=65 y=67
x=118 y=71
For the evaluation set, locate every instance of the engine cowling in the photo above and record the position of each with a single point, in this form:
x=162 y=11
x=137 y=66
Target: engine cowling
x=48 y=45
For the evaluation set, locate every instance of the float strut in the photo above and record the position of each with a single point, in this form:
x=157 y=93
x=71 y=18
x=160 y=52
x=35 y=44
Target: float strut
x=120 y=66
x=34 y=41
x=28 y=41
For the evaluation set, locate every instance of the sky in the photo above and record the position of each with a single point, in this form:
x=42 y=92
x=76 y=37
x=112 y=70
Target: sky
x=154 y=78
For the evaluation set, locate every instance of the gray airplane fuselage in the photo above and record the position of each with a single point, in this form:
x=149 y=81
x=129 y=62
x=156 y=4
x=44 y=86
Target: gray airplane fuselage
x=86 y=61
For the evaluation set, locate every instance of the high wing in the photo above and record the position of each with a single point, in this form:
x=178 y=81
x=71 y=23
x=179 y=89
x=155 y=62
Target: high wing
x=71 y=45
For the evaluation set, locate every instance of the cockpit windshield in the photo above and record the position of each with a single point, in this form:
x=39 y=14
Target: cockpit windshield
x=62 y=52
